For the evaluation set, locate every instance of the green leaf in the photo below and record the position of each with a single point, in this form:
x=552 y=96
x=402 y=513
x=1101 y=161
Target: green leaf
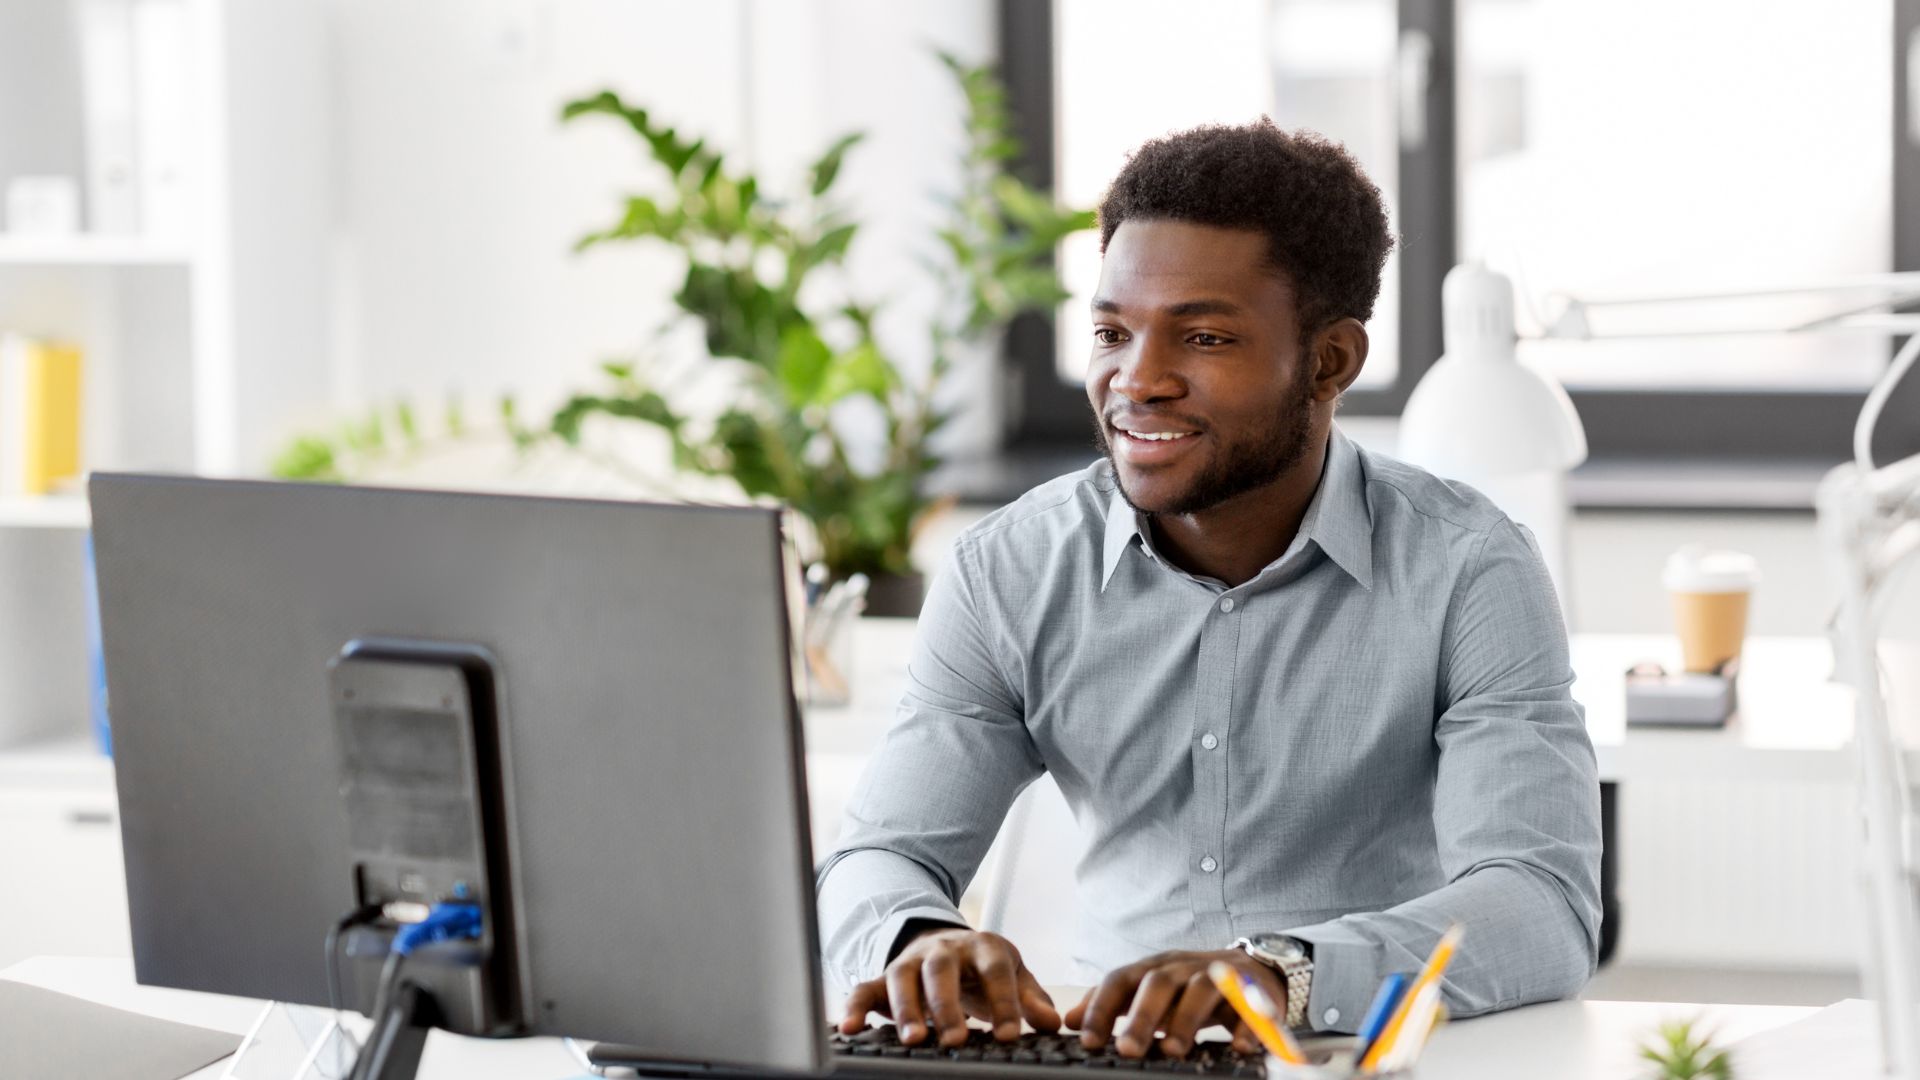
x=745 y=438
x=802 y=369
x=308 y=457
x=742 y=317
x=832 y=247
x=646 y=407
x=606 y=102
x=404 y=420
x=862 y=369
x=711 y=175
x=827 y=169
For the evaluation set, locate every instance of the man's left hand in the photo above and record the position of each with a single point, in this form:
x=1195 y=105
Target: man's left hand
x=1171 y=994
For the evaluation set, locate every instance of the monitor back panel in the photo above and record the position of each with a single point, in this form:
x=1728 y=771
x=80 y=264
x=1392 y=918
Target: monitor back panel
x=653 y=749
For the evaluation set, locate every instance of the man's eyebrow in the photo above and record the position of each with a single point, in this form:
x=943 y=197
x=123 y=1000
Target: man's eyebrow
x=1184 y=307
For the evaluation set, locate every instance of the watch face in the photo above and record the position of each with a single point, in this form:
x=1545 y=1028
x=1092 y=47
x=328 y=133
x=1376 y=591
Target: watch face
x=1279 y=946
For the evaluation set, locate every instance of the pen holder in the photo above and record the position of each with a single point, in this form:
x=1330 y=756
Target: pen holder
x=1337 y=1065
x=829 y=653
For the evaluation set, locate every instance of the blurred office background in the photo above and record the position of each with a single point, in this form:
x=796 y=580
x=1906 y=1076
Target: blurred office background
x=300 y=211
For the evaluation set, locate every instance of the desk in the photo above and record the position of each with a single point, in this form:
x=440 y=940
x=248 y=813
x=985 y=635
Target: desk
x=1568 y=1040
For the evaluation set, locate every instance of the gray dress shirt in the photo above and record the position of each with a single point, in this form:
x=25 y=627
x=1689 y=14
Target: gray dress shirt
x=1371 y=739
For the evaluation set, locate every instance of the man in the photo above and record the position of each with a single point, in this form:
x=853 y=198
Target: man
x=1309 y=704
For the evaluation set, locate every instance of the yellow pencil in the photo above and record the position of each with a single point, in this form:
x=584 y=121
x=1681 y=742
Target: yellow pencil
x=1276 y=1040
x=1435 y=966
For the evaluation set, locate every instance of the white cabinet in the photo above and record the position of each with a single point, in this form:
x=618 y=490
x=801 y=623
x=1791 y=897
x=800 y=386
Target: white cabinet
x=63 y=887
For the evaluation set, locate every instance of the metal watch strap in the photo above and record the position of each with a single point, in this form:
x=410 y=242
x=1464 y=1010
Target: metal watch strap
x=1296 y=973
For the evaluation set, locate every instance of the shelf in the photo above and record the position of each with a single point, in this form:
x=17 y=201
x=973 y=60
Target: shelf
x=66 y=762
x=92 y=250
x=44 y=512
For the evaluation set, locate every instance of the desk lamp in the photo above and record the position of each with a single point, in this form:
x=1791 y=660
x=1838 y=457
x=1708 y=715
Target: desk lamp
x=1484 y=416
x=1869 y=515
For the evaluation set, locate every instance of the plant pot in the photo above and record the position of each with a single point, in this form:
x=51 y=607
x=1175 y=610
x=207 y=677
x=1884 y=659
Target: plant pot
x=897 y=595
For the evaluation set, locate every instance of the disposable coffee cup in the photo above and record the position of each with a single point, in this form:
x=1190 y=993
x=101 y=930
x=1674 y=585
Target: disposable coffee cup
x=1710 y=590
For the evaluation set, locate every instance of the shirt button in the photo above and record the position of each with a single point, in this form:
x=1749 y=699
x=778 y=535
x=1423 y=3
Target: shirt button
x=1333 y=1017
x=1209 y=865
x=1227 y=605
x=1209 y=740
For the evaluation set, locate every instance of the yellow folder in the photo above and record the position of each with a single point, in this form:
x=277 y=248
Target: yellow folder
x=39 y=414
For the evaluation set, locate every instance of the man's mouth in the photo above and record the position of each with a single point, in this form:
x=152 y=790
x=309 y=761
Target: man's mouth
x=1142 y=447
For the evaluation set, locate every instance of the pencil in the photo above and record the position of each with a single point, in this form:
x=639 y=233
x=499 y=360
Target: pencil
x=1277 y=1042
x=1430 y=973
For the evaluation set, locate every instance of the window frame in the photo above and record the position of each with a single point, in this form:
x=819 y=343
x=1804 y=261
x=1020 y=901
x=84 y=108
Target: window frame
x=1661 y=431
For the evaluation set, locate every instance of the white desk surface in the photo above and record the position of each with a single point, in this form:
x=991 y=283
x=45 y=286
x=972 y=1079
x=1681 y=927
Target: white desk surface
x=1569 y=1040
x=1792 y=723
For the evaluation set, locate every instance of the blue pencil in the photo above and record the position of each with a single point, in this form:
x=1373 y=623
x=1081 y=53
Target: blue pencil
x=1385 y=1000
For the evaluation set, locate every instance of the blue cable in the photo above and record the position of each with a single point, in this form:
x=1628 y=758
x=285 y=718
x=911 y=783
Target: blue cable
x=444 y=922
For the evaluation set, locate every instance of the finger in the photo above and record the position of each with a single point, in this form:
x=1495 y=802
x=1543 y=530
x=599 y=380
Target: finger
x=1150 y=1004
x=1243 y=1040
x=870 y=996
x=1077 y=1012
x=1198 y=1002
x=998 y=968
x=903 y=992
x=940 y=979
x=1108 y=999
x=1036 y=1005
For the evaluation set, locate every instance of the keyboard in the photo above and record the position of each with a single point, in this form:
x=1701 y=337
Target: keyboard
x=881 y=1045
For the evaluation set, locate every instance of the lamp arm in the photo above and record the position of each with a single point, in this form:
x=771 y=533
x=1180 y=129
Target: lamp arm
x=1877 y=400
x=1903 y=280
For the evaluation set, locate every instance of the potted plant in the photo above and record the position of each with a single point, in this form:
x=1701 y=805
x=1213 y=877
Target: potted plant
x=753 y=265
x=765 y=281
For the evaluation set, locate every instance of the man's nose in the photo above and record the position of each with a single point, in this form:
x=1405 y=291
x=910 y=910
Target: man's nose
x=1147 y=372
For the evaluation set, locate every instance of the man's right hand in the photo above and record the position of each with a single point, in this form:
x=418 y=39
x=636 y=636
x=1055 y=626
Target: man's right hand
x=945 y=976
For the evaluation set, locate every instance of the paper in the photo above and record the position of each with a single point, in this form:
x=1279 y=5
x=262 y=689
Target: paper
x=1840 y=1042
x=51 y=1036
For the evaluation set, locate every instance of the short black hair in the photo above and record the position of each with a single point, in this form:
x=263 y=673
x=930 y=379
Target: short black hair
x=1325 y=225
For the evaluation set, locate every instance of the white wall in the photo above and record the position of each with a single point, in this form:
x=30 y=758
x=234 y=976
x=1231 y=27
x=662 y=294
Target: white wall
x=460 y=193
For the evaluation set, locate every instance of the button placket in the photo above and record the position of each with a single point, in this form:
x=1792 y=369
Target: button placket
x=1219 y=649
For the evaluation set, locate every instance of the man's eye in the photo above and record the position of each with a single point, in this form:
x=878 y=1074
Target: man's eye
x=1208 y=340
x=1107 y=335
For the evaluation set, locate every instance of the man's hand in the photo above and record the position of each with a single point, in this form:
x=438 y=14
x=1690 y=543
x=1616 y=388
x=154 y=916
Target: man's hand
x=945 y=976
x=1170 y=993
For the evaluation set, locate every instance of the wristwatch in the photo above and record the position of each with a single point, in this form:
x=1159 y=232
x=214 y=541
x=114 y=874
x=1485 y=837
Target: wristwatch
x=1293 y=959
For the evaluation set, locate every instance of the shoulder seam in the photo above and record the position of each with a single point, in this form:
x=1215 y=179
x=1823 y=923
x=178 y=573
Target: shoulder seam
x=973 y=535
x=1416 y=508
x=1464 y=581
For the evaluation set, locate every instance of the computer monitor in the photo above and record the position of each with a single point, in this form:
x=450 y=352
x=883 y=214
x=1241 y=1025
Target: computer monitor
x=661 y=882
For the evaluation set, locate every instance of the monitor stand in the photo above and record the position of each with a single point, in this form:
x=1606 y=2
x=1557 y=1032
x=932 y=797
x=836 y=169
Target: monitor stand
x=392 y=1050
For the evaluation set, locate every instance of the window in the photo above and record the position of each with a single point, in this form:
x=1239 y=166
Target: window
x=1593 y=147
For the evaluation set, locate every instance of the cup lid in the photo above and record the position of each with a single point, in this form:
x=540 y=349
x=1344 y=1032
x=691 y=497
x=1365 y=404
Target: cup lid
x=1699 y=568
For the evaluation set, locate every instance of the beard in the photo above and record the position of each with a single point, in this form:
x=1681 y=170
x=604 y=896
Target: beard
x=1242 y=466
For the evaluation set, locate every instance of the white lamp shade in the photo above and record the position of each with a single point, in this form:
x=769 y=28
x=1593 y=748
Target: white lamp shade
x=1481 y=411
x=1471 y=418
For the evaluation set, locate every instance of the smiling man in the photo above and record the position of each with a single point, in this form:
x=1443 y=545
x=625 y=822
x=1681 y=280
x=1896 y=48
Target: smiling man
x=1310 y=705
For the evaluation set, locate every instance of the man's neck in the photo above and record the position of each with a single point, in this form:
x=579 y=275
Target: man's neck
x=1236 y=539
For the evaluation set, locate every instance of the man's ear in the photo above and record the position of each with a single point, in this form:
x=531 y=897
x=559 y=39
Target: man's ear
x=1339 y=351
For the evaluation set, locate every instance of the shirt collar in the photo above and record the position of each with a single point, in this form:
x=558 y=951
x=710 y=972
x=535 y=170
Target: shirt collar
x=1338 y=518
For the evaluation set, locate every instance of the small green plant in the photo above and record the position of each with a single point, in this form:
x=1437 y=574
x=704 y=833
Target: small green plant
x=1677 y=1052
x=383 y=435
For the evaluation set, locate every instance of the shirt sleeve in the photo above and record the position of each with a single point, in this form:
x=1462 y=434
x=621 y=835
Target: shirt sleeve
x=932 y=799
x=1516 y=814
